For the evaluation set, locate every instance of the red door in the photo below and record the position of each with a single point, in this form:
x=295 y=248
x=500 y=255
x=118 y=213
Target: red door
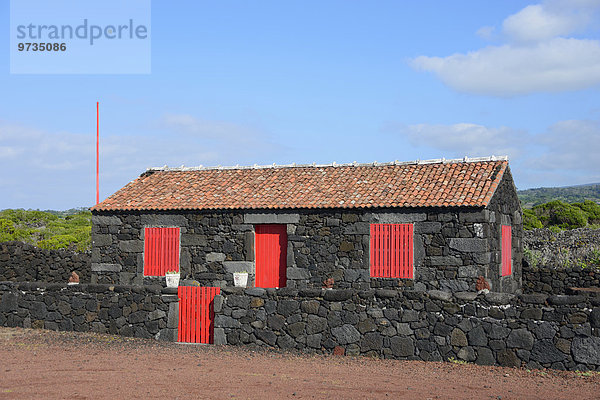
x=196 y=313
x=271 y=255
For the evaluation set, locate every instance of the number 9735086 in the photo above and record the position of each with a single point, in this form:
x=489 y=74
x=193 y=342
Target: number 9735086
x=42 y=46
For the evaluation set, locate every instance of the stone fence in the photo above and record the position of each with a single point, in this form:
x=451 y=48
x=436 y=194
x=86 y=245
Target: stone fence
x=557 y=261
x=531 y=330
x=23 y=262
x=559 y=281
x=146 y=312
x=564 y=249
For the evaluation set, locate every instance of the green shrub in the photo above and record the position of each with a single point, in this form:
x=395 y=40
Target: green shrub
x=530 y=220
x=30 y=218
x=9 y=231
x=533 y=257
x=560 y=214
x=591 y=209
x=57 y=242
x=47 y=230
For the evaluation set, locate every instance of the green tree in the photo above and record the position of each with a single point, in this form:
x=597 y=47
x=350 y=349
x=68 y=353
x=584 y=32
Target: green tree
x=561 y=214
x=591 y=209
x=57 y=242
x=530 y=220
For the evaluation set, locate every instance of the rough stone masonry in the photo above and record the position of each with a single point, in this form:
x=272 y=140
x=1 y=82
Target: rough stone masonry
x=530 y=330
x=145 y=312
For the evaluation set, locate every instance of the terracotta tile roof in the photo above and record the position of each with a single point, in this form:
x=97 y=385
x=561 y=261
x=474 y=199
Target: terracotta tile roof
x=417 y=184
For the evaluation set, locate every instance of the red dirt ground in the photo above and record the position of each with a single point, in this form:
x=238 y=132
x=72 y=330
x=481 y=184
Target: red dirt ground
x=37 y=364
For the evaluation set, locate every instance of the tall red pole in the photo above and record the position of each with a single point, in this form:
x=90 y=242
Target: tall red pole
x=97 y=152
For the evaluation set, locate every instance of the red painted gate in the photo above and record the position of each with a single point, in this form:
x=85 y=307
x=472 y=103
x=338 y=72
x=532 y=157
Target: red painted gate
x=196 y=314
x=271 y=255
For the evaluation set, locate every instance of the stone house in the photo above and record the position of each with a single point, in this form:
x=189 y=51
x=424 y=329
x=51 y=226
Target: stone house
x=437 y=224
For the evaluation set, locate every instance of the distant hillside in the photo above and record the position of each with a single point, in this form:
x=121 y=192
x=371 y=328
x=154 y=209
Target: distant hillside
x=569 y=194
x=66 y=213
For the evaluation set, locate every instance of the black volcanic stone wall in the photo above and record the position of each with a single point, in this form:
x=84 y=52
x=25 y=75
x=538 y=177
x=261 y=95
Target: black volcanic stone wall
x=505 y=210
x=564 y=249
x=559 y=281
x=533 y=330
x=452 y=246
x=20 y=262
x=529 y=330
x=144 y=312
x=557 y=261
x=208 y=241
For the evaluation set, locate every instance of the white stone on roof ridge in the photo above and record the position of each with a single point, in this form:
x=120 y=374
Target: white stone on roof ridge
x=335 y=165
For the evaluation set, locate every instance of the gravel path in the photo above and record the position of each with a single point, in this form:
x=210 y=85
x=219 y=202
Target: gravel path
x=37 y=364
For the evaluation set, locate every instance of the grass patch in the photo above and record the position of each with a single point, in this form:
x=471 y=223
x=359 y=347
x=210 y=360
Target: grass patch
x=455 y=361
x=587 y=373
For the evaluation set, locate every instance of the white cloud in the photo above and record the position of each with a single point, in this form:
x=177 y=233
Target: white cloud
x=44 y=150
x=8 y=152
x=565 y=153
x=57 y=169
x=205 y=129
x=538 y=22
x=570 y=145
x=465 y=139
x=536 y=58
x=552 y=66
x=486 y=32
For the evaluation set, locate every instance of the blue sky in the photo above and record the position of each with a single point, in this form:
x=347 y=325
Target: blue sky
x=315 y=81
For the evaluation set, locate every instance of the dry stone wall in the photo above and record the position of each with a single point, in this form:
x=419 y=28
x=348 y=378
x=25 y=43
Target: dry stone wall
x=534 y=330
x=529 y=330
x=21 y=262
x=145 y=312
x=559 y=281
x=564 y=249
x=558 y=261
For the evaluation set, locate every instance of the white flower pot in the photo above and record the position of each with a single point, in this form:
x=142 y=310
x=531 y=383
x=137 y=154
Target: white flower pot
x=240 y=279
x=172 y=280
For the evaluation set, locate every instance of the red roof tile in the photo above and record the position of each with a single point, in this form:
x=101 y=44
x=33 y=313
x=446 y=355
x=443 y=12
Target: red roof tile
x=439 y=184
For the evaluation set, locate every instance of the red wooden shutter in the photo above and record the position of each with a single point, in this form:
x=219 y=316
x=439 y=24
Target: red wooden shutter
x=196 y=314
x=391 y=251
x=271 y=255
x=161 y=251
x=506 y=250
